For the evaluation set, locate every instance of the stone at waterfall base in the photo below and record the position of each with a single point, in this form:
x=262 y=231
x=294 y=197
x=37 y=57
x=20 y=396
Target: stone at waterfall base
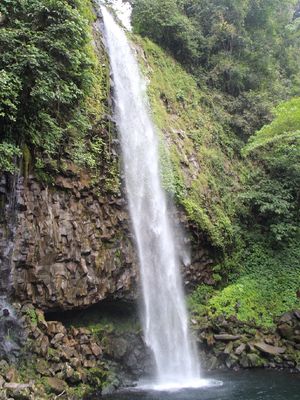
x=229 y=343
x=268 y=349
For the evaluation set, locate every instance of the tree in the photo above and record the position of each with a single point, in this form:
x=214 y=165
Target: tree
x=274 y=194
x=163 y=22
x=45 y=72
x=246 y=49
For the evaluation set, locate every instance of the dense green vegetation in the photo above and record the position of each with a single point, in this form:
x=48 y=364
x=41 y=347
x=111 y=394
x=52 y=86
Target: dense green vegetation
x=248 y=50
x=53 y=88
x=200 y=166
x=248 y=207
x=274 y=196
x=261 y=283
x=242 y=60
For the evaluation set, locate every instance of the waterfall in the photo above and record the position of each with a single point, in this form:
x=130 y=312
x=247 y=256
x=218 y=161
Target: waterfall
x=165 y=321
x=9 y=191
x=11 y=329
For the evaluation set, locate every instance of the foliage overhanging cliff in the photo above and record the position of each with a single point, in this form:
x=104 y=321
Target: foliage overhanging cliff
x=54 y=89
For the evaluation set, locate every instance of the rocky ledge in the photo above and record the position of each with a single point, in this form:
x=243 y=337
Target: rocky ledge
x=229 y=343
x=70 y=362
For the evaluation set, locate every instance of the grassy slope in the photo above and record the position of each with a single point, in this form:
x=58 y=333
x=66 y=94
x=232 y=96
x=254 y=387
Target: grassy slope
x=202 y=171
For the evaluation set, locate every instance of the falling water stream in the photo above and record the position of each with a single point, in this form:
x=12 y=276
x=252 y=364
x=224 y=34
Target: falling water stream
x=11 y=330
x=165 y=320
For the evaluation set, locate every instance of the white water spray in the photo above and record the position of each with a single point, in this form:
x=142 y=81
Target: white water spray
x=165 y=321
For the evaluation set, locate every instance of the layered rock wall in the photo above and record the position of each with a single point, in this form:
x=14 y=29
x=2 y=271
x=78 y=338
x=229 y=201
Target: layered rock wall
x=72 y=247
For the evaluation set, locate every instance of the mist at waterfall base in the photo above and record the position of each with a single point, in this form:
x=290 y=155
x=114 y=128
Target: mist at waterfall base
x=165 y=320
x=11 y=332
x=243 y=385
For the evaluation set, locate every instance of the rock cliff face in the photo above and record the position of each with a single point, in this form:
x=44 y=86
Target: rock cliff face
x=72 y=247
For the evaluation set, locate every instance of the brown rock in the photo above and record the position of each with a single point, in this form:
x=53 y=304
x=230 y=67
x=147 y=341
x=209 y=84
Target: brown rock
x=69 y=372
x=84 y=339
x=287 y=317
x=42 y=367
x=86 y=350
x=226 y=337
x=56 y=385
x=251 y=347
x=297 y=313
x=239 y=350
x=74 y=331
x=89 y=363
x=42 y=324
x=67 y=352
x=286 y=331
x=44 y=345
x=55 y=327
x=210 y=339
x=36 y=333
x=17 y=386
x=61 y=258
x=267 y=349
x=75 y=362
x=96 y=350
x=228 y=348
x=57 y=338
x=11 y=375
x=84 y=331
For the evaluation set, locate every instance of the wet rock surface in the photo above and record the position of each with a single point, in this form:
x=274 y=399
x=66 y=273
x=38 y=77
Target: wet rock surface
x=11 y=333
x=129 y=349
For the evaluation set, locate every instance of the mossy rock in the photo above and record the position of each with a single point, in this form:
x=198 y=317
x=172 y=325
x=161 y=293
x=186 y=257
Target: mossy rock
x=55 y=385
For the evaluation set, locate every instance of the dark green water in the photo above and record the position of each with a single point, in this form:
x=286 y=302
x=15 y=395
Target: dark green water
x=246 y=385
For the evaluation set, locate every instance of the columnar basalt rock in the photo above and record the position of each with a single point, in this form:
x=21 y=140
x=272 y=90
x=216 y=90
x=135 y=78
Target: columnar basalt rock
x=72 y=246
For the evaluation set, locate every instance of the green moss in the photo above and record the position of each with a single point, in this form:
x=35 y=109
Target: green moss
x=197 y=168
x=98 y=377
x=113 y=180
x=86 y=10
x=32 y=316
x=26 y=160
x=80 y=391
x=44 y=176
